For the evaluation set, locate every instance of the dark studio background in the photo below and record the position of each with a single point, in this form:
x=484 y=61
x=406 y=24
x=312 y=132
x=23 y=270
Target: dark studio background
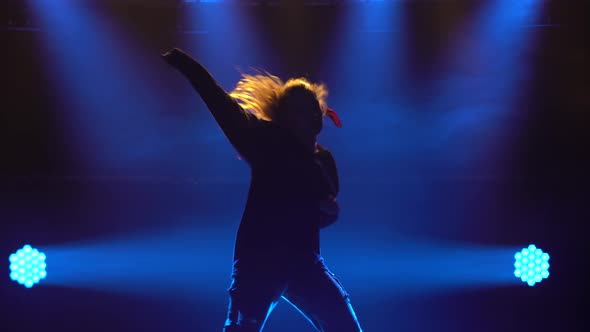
x=453 y=142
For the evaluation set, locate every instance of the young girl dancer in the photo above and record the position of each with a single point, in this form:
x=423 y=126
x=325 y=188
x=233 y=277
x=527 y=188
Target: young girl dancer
x=274 y=125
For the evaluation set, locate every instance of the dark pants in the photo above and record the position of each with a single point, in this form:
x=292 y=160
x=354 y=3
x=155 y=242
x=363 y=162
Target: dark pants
x=257 y=286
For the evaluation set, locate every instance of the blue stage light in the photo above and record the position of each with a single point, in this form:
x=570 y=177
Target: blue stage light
x=27 y=266
x=531 y=265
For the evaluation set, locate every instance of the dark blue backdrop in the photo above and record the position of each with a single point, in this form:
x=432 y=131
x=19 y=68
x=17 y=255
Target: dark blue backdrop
x=465 y=139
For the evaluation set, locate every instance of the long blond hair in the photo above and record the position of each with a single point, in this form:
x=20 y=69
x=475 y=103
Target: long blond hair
x=260 y=94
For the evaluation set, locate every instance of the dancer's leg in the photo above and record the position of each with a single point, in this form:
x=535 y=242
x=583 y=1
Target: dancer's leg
x=253 y=294
x=319 y=295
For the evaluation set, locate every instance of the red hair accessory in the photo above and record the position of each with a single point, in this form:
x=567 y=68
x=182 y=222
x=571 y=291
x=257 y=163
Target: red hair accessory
x=330 y=112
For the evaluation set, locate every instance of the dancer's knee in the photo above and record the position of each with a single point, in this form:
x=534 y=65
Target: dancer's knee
x=243 y=326
x=241 y=322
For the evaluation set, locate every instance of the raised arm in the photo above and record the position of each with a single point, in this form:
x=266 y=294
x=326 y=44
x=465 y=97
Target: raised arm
x=237 y=125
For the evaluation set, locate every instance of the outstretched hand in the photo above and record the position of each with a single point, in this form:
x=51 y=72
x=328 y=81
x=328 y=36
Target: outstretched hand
x=173 y=57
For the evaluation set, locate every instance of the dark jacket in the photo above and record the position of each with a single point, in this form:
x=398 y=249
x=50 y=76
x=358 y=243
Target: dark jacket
x=282 y=214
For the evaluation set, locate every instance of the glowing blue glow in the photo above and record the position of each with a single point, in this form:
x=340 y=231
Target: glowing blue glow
x=531 y=265
x=27 y=266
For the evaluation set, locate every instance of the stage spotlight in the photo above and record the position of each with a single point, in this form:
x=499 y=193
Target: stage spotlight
x=531 y=265
x=27 y=266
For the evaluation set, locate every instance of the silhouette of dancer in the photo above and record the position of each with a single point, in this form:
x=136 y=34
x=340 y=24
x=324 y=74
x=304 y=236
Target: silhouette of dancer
x=273 y=126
